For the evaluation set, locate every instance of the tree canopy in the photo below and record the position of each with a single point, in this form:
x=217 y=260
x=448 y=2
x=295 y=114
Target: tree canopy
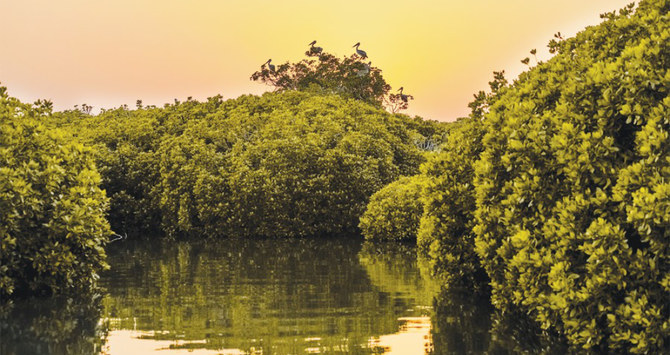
x=350 y=77
x=290 y=163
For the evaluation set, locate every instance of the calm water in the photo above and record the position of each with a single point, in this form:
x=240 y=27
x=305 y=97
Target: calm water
x=294 y=296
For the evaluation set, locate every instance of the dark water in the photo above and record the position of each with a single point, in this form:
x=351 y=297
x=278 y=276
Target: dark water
x=239 y=296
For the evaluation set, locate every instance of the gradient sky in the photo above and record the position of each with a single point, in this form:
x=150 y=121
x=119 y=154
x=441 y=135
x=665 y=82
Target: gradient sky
x=111 y=52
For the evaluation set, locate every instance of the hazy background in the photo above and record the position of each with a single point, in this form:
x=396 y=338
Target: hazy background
x=106 y=53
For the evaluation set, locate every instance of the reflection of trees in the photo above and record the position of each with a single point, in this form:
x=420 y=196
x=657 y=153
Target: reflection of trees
x=461 y=322
x=278 y=296
x=394 y=268
x=51 y=326
x=465 y=322
x=461 y=319
x=516 y=333
x=242 y=293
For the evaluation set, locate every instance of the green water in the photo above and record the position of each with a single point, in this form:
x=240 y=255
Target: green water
x=236 y=296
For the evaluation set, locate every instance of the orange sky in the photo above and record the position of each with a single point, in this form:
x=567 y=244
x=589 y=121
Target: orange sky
x=111 y=52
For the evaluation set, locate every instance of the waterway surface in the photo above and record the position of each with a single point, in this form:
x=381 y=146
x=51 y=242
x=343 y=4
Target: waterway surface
x=256 y=296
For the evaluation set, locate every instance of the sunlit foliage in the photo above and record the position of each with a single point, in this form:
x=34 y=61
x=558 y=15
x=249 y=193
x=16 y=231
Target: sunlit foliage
x=572 y=187
x=283 y=164
x=446 y=228
x=557 y=185
x=126 y=144
x=52 y=212
x=556 y=189
x=394 y=211
x=445 y=231
x=289 y=164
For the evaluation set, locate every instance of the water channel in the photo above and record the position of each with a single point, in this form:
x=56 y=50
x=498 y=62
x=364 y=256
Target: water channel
x=256 y=296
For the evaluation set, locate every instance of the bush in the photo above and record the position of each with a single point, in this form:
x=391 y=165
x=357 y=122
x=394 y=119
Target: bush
x=445 y=232
x=283 y=164
x=287 y=163
x=52 y=222
x=394 y=211
x=126 y=144
x=573 y=183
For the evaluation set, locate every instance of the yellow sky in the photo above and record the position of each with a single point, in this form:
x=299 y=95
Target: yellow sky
x=111 y=52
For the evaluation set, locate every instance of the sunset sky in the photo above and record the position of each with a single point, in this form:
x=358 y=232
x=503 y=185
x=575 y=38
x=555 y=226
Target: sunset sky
x=106 y=53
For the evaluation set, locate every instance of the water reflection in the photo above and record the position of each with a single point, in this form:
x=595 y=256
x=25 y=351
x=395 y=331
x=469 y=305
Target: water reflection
x=290 y=296
x=461 y=323
x=52 y=326
x=264 y=296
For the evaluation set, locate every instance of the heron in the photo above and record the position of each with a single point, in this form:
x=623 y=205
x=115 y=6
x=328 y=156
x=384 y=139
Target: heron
x=271 y=66
x=360 y=51
x=403 y=97
x=315 y=49
x=365 y=70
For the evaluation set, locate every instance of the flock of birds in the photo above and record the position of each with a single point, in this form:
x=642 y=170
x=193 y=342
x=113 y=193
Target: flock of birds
x=313 y=48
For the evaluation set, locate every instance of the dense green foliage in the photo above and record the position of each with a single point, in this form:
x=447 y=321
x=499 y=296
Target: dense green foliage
x=294 y=163
x=558 y=187
x=445 y=231
x=572 y=187
x=282 y=164
x=439 y=212
x=52 y=223
x=393 y=212
x=304 y=165
x=126 y=144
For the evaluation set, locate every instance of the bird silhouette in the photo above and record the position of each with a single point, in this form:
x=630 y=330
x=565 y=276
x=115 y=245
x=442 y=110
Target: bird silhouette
x=360 y=52
x=314 y=49
x=271 y=66
x=403 y=97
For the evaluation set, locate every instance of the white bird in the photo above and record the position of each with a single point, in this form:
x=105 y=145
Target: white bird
x=271 y=66
x=360 y=51
x=365 y=70
x=118 y=237
x=315 y=49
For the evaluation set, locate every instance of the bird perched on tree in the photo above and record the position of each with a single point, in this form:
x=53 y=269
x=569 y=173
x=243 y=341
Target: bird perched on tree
x=314 y=49
x=360 y=52
x=403 y=97
x=271 y=66
x=365 y=71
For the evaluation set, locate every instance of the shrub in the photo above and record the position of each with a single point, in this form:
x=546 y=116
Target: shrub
x=283 y=164
x=394 y=211
x=126 y=144
x=52 y=222
x=572 y=186
x=445 y=232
